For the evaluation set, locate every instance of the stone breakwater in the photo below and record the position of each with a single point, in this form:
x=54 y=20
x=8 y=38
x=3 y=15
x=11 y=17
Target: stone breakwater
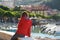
x=4 y=36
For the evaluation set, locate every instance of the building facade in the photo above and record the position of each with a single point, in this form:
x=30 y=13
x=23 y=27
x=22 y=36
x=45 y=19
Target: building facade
x=8 y=3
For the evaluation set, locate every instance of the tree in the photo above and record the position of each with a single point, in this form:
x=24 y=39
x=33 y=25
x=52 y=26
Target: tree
x=16 y=14
x=4 y=7
x=56 y=17
x=42 y=16
x=16 y=8
x=37 y=15
x=7 y=16
x=1 y=14
x=32 y=15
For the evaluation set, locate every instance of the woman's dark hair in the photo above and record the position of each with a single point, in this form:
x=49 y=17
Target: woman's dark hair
x=24 y=14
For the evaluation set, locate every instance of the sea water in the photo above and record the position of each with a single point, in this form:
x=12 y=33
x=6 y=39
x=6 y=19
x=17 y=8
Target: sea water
x=42 y=35
x=36 y=33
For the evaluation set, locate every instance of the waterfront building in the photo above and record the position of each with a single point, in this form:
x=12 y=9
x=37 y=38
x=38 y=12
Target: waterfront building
x=8 y=3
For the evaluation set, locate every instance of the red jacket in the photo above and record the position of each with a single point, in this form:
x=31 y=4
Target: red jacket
x=24 y=27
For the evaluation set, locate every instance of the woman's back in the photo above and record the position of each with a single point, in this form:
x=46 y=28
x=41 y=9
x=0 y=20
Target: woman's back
x=24 y=26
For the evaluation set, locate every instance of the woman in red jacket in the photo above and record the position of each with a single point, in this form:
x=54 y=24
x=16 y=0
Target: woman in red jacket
x=24 y=27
